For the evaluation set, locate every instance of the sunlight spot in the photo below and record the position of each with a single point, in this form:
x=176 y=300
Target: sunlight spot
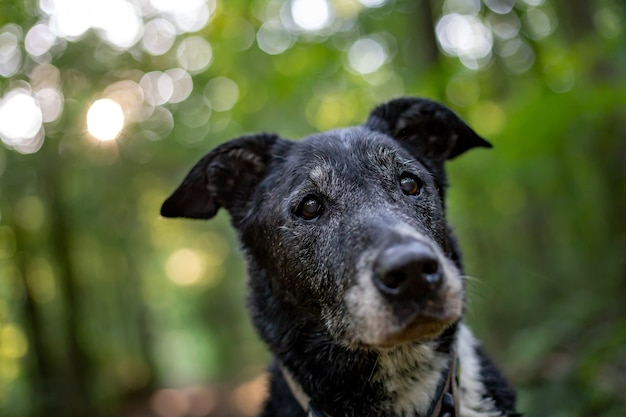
x=466 y=37
x=39 y=40
x=188 y=15
x=159 y=36
x=373 y=3
x=119 y=23
x=194 y=112
x=69 y=18
x=310 y=15
x=273 y=39
x=608 y=22
x=116 y=20
x=129 y=95
x=157 y=87
x=182 y=83
x=517 y=55
x=14 y=344
x=539 y=24
x=184 y=267
x=367 y=55
x=170 y=403
x=10 y=54
x=51 y=103
x=331 y=111
x=505 y=26
x=21 y=121
x=248 y=397
x=500 y=6
x=194 y=401
x=158 y=124
x=45 y=76
x=534 y=2
x=194 y=54
x=222 y=93
x=105 y=119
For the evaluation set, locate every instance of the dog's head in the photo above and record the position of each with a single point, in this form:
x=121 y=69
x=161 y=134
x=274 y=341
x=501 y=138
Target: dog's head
x=344 y=231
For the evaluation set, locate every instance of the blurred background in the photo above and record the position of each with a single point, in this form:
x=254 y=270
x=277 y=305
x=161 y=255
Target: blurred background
x=106 y=309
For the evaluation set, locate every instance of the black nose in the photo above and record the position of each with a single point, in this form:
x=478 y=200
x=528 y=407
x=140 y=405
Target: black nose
x=407 y=271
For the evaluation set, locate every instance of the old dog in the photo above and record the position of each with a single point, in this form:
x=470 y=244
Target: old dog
x=355 y=278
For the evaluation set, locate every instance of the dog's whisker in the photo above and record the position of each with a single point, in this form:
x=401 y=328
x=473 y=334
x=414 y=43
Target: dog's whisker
x=369 y=378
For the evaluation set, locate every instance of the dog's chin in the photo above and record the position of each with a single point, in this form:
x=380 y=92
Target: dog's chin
x=420 y=329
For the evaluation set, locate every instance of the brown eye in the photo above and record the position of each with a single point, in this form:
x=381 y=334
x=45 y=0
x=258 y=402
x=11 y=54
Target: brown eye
x=310 y=208
x=410 y=185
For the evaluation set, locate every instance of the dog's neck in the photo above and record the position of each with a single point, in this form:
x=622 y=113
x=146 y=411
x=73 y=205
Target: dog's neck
x=416 y=379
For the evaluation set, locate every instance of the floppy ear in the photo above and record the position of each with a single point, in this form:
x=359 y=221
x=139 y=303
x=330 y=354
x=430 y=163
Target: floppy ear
x=226 y=177
x=426 y=128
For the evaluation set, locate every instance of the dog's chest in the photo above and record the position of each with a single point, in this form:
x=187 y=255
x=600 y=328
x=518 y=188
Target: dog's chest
x=410 y=376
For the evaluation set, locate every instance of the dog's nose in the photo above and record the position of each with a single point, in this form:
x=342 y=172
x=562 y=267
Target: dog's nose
x=407 y=271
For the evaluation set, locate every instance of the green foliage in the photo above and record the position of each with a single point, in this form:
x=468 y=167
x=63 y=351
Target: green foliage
x=102 y=302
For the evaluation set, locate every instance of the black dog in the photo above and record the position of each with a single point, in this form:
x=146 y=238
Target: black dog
x=355 y=281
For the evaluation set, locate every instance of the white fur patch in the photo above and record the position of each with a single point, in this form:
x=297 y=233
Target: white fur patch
x=410 y=374
x=472 y=402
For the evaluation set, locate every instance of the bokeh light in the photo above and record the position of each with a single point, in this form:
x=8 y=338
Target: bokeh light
x=51 y=102
x=539 y=22
x=182 y=84
x=311 y=15
x=273 y=38
x=158 y=37
x=10 y=53
x=68 y=18
x=118 y=22
x=517 y=55
x=373 y=3
x=194 y=54
x=185 y=267
x=466 y=37
x=505 y=26
x=39 y=40
x=222 y=93
x=500 y=6
x=157 y=87
x=21 y=121
x=187 y=15
x=367 y=55
x=105 y=119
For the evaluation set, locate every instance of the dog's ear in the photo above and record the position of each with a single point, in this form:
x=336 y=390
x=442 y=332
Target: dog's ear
x=425 y=128
x=226 y=177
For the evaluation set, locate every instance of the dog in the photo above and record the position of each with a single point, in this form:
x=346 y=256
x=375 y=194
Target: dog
x=355 y=278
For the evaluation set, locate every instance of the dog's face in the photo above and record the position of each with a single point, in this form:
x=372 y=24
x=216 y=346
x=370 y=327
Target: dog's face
x=344 y=230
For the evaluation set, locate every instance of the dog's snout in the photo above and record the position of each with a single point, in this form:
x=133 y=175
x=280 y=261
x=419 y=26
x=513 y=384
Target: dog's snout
x=408 y=271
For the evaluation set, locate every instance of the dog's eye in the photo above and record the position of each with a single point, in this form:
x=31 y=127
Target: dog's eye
x=410 y=185
x=310 y=208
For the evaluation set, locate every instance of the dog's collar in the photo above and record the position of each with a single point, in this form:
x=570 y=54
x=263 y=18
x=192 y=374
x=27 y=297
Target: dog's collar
x=445 y=403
